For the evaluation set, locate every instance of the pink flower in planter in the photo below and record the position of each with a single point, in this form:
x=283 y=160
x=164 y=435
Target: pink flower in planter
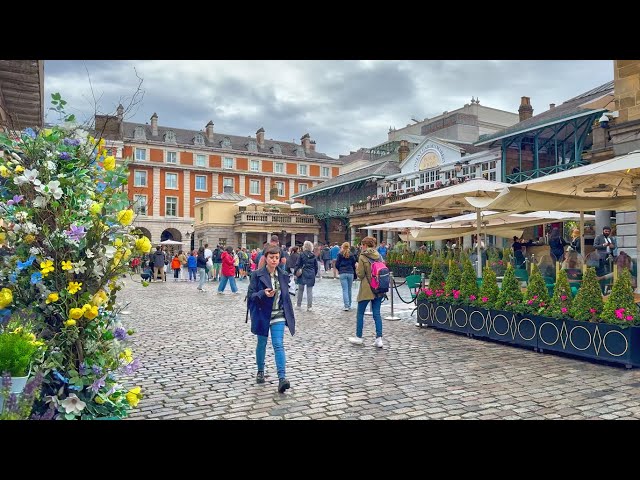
x=629 y=318
x=456 y=294
x=472 y=297
x=592 y=310
x=529 y=302
x=563 y=297
x=620 y=313
x=484 y=299
x=535 y=297
x=564 y=310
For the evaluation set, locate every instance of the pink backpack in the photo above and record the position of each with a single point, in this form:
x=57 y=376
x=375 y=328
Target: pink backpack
x=380 y=278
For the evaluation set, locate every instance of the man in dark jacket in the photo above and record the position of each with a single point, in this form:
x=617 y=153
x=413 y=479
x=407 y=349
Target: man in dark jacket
x=158 y=261
x=605 y=244
x=308 y=266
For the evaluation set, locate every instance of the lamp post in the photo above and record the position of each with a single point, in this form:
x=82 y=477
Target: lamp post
x=192 y=235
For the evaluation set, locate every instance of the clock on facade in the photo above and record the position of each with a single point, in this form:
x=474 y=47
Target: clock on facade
x=429 y=160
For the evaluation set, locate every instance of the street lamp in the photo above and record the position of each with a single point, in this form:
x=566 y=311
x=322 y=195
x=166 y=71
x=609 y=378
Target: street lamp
x=192 y=235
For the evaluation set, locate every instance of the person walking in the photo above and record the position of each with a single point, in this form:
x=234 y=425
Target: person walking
x=605 y=244
x=345 y=265
x=183 y=265
x=201 y=264
x=192 y=264
x=518 y=256
x=292 y=261
x=307 y=266
x=333 y=253
x=271 y=310
x=365 y=294
x=556 y=245
x=159 y=260
x=228 y=273
x=175 y=266
x=575 y=240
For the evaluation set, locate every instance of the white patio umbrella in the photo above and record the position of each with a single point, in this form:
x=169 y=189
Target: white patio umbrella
x=276 y=203
x=457 y=198
x=171 y=242
x=299 y=206
x=247 y=202
x=397 y=225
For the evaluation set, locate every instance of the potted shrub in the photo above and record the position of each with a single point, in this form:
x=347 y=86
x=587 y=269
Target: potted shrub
x=481 y=304
x=588 y=304
x=504 y=316
x=560 y=304
x=620 y=308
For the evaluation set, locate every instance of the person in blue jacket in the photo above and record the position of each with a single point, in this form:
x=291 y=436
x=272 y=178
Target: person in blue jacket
x=271 y=310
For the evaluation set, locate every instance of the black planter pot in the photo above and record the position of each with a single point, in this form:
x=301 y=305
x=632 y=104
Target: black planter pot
x=425 y=312
x=452 y=318
x=479 y=325
x=514 y=328
x=599 y=341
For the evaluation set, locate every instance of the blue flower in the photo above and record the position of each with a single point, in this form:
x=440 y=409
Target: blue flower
x=120 y=333
x=73 y=142
x=4 y=314
x=65 y=156
x=29 y=132
x=13 y=277
x=101 y=186
x=60 y=377
x=26 y=264
x=36 y=278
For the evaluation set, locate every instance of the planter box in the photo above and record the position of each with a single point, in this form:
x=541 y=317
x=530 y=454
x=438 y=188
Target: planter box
x=599 y=341
x=514 y=328
x=425 y=312
x=453 y=318
x=479 y=325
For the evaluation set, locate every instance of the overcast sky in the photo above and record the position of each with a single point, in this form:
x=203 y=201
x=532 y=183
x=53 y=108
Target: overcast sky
x=342 y=104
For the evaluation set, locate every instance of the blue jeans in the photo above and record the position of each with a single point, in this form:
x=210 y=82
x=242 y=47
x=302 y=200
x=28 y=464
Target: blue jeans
x=223 y=283
x=375 y=307
x=202 y=273
x=192 y=273
x=346 y=280
x=277 y=336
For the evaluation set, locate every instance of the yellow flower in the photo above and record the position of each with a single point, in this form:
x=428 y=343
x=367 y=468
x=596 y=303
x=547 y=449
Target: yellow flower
x=96 y=208
x=29 y=238
x=76 y=313
x=31 y=337
x=133 y=396
x=4 y=171
x=90 y=139
x=98 y=399
x=125 y=217
x=3 y=237
x=46 y=267
x=117 y=242
x=46 y=132
x=53 y=297
x=101 y=143
x=91 y=312
x=99 y=298
x=127 y=355
x=19 y=169
x=73 y=287
x=66 y=265
x=69 y=323
x=143 y=245
x=6 y=297
x=109 y=163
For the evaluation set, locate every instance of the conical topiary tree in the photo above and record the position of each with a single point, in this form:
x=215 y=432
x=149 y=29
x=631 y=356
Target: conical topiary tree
x=587 y=305
x=453 y=278
x=468 y=283
x=620 y=308
x=537 y=296
x=510 y=294
x=489 y=289
x=436 y=279
x=560 y=306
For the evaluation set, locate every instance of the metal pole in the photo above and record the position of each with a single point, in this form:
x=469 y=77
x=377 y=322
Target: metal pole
x=392 y=283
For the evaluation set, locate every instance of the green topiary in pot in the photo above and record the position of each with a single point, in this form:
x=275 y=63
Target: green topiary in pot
x=560 y=306
x=489 y=289
x=510 y=294
x=19 y=348
x=436 y=279
x=620 y=308
x=536 y=299
x=468 y=283
x=453 y=279
x=587 y=305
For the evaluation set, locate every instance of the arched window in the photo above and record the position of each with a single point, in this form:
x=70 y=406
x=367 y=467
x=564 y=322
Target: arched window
x=198 y=139
x=276 y=149
x=225 y=142
x=252 y=146
x=170 y=137
x=139 y=133
x=299 y=151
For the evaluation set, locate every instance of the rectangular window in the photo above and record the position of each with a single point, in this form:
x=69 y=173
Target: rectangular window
x=141 y=153
x=255 y=166
x=171 y=180
x=201 y=183
x=325 y=171
x=140 y=178
x=201 y=160
x=172 y=157
x=302 y=187
x=140 y=204
x=279 y=168
x=228 y=182
x=227 y=162
x=302 y=170
x=254 y=187
x=171 y=207
x=280 y=187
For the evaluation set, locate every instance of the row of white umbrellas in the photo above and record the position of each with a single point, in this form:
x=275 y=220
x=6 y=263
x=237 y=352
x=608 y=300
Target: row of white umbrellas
x=252 y=201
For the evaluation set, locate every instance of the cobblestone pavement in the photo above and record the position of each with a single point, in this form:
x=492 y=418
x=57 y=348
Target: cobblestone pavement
x=198 y=362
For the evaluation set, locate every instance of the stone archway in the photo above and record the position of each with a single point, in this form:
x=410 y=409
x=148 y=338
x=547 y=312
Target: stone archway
x=171 y=234
x=141 y=231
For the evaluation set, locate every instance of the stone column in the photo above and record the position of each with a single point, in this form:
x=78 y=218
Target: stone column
x=243 y=239
x=603 y=219
x=214 y=184
x=413 y=245
x=437 y=244
x=390 y=237
x=369 y=232
x=293 y=239
x=315 y=239
x=466 y=242
x=156 y=192
x=186 y=195
x=268 y=237
x=353 y=234
x=241 y=180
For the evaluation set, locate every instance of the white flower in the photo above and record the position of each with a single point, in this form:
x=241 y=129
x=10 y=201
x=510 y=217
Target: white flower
x=89 y=254
x=98 y=270
x=72 y=404
x=51 y=188
x=21 y=216
x=34 y=251
x=78 y=267
x=40 y=202
x=51 y=166
x=26 y=177
x=109 y=251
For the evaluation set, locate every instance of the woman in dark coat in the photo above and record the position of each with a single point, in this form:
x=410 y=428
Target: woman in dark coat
x=271 y=310
x=556 y=245
x=308 y=266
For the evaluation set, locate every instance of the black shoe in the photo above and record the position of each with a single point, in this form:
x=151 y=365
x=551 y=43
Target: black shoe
x=260 y=377
x=283 y=384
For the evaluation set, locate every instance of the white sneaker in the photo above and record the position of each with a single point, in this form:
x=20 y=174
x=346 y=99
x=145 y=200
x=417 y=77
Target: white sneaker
x=356 y=340
x=346 y=309
x=220 y=293
x=308 y=309
x=378 y=342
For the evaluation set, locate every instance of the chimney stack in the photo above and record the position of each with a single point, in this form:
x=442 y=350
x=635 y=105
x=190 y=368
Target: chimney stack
x=260 y=137
x=120 y=112
x=313 y=145
x=525 y=110
x=552 y=105
x=306 y=141
x=154 y=124
x=403 y=150
x=209 y=130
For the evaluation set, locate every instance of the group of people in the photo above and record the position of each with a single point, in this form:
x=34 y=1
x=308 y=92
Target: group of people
x=271 y=308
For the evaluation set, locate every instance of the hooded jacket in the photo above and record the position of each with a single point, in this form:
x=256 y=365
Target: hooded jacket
x=363 y=269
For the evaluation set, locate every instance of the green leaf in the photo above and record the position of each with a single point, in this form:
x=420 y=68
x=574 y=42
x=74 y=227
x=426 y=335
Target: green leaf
x=69 y=416
x=70 y=118
x=56 y=96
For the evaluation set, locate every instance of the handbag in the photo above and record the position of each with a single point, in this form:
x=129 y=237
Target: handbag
x=298 y=272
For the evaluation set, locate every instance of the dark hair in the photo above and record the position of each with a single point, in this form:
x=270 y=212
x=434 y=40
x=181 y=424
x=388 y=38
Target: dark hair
x=274 y=238
x=229 y=249
x=515 y=239
x=270 y=250
x=606 y=228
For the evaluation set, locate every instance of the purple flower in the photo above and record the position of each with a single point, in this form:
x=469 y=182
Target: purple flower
x=82 y=370
x=29 y=132
x=98 y=384
x=96 y=370
x=12 y=404
x=65 y=156
x=131 y=367
x=74 y=142
x=75 y=233
x=6 y=380
x=120 y=333
x=16 y=200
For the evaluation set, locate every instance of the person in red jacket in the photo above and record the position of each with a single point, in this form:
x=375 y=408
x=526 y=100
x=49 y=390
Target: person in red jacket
x=228 y=273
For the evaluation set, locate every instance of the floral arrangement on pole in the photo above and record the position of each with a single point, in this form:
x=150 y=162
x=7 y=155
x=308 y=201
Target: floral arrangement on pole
x=468 y=283
x=620 y=308
x=588 y=304
x=489 y=290
x=536 y=299
x=67 y=228
x=510 y=297
x=560 y=305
